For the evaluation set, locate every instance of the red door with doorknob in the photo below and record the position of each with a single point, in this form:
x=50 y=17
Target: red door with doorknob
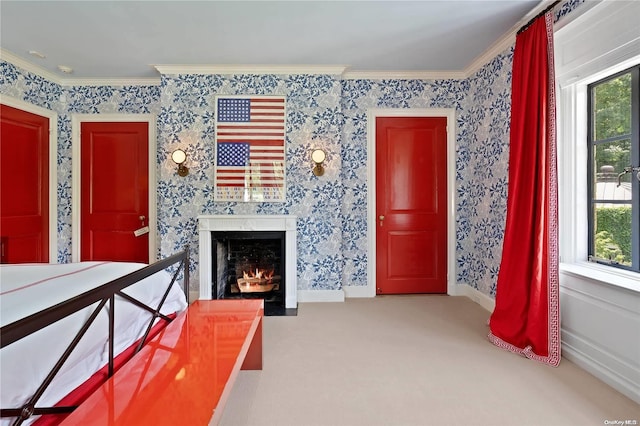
x=114 y=191
x=411 y=199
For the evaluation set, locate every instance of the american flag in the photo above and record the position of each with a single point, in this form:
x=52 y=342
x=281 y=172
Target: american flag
x=250 y=148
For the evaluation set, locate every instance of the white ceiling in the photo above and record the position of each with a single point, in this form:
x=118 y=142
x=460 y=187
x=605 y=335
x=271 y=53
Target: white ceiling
x=124 y=39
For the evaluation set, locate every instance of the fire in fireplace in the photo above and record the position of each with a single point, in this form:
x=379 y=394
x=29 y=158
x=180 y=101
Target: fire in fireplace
x=250 y=264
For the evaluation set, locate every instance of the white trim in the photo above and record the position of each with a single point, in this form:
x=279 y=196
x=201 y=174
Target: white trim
x=30 y=67
x=372 y=114
x=500 y=45
x=357 y=291
x=151 y=81
x=507 y=40
x=53 y=166
x=250 y=69
x=575 y=14
x=580 y=352
x=76 y=121
x=286 y=223
x=477 y=296
x=8 y=56
x=609 y=30
x=613 y=45
x=590 y=311
x=595 y=299
x=404 y=75
x=320 y=296
x=603 y=275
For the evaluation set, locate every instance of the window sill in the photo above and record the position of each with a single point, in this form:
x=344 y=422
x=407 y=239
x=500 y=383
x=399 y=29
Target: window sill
x=604 y=274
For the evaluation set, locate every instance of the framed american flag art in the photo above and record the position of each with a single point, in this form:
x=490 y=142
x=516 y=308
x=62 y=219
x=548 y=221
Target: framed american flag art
x=250 y=148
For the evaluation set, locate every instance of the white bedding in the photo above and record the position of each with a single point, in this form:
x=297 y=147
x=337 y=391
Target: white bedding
x=26 y=289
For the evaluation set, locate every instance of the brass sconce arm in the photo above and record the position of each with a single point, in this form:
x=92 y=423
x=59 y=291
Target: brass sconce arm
x=318 y=156
x=179 y=157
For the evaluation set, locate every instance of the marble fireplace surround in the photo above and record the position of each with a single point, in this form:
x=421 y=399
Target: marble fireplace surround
x=210 y=223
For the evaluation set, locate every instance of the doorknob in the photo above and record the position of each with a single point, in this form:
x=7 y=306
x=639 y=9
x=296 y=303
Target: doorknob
x=381 y=218
x=142 y=218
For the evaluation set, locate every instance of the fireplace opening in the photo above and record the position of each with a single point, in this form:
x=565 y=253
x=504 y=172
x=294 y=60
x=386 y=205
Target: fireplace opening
x=250 y=265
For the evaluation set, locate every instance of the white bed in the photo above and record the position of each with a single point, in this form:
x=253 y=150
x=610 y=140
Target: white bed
x=28 y=289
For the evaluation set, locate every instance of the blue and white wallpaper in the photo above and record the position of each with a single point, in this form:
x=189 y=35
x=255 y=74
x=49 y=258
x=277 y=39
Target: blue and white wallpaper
x=314 y=120
x=358 y=96
x=323 y=111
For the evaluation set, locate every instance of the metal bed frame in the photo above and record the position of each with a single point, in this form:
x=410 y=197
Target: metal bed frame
x=104 y=294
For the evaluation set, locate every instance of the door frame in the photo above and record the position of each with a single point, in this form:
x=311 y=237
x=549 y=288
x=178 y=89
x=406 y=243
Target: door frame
x=76 y=123
x=53 y=166
x=450 y=114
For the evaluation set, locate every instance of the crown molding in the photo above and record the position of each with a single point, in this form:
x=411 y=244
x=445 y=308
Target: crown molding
x=504 y=42
x=403 y=75
x=5 y=55
x=151 y=81
x=251 y=69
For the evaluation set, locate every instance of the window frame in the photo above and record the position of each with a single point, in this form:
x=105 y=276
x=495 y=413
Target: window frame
x=634 y=155
x=572 y=177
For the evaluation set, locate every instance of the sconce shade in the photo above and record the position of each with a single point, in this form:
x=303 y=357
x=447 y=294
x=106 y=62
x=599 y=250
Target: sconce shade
x=318 y=156
x=179 y=157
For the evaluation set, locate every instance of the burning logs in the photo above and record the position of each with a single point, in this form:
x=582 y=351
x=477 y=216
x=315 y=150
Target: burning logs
x=259 y=282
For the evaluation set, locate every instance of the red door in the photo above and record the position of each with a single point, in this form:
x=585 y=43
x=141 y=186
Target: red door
x=24 y=188
x=411 y=199
x=114 y=200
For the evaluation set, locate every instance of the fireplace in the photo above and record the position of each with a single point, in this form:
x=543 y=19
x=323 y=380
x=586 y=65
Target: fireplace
x=249 y=264
x=249 y=257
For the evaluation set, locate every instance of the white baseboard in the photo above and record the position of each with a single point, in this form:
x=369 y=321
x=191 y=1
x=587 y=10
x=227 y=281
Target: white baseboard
x=588 y=363
x=480 y=298
x=460 y=290
x=579 y=351
x=320 y=296
x=359 y=291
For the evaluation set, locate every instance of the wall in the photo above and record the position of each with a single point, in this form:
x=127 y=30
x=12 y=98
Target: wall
x=482 y=160
x=599 y=320
x=28 y=87
x=326 y=112
x=314 y=119
x=600 y=305
x=322 y=111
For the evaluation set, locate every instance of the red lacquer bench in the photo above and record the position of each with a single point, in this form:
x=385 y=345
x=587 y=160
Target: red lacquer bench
x=185 y=374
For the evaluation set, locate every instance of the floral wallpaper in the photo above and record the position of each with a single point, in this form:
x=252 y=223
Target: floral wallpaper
x=482 y=174
x=65 y=101
x=314 y=120
x=357 y=97
x=323 y=111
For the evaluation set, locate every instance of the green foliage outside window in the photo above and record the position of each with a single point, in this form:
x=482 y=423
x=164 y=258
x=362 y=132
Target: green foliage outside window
x=612 y=117
x=613 y=107
x=613 y=234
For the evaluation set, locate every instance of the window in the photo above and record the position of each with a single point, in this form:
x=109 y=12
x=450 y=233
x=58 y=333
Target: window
x=613 y=169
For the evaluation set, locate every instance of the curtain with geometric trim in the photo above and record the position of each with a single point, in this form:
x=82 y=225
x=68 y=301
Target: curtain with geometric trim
x=526 y=318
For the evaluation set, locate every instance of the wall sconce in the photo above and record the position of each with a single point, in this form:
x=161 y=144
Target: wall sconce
x=318 y=156
x=179 y=157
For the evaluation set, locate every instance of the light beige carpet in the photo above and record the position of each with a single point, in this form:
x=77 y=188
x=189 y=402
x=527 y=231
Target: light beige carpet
x=409 y=360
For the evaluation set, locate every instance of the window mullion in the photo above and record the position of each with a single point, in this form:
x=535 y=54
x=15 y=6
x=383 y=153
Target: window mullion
x=635 y=158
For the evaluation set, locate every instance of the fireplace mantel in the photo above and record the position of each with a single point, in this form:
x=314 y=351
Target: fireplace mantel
x=208 y=224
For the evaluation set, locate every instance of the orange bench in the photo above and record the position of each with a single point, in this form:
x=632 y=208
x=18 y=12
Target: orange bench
x=185 y=374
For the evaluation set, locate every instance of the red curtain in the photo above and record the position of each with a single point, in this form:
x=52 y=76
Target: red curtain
x=526 y=319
